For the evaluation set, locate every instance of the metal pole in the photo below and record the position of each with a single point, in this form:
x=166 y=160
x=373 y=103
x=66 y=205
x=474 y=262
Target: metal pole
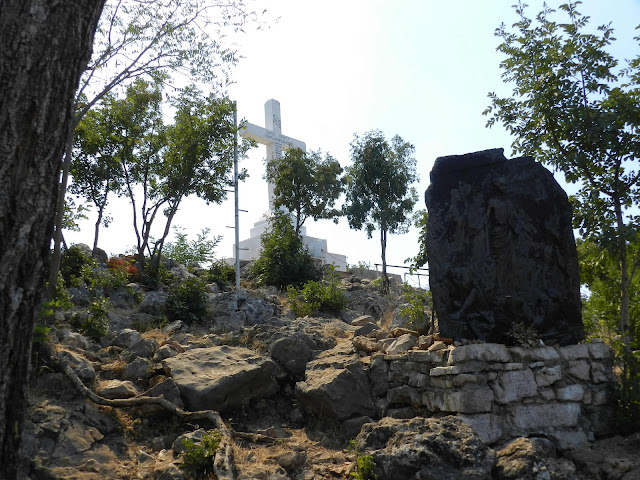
x=235 y=188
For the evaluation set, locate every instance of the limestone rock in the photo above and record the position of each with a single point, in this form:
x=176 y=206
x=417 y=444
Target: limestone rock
x=222 y=377
x=233 y=310
x=80 y=365
x=293 y=353
x=117 y=389
x=533 y=459
x=336 y=385
x=126 y=337
x=144 y=348
x=501 y=249
x=154 y=302
x=426 y=448
x=402 y=344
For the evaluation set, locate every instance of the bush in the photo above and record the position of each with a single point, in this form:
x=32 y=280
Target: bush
x=627 y=416
x=73 y=261
x=417 y=300
x=284 y=260
x=186 y=252
x=315 y=296
x=123 y=269
x=197 y=459
x=187 y=301
x=221 y=273
x=97 y=323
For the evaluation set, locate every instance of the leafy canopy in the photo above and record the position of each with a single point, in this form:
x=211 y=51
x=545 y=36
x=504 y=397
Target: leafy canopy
x=306 y=184
x=574 y=108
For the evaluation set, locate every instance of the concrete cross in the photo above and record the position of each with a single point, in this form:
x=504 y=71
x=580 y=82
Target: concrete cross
x=272 y=137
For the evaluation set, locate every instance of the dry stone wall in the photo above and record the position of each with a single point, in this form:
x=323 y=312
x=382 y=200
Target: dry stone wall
x=564 y=394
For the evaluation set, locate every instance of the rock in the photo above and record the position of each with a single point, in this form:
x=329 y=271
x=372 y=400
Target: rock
x=222 y=377
x=361 y=320
x=352 y=426
x=100 y=255
x=181 y=273
x=336 y=386
x=126 y=337
x=366 y=328
x=166 y=467
x=402 y=344
x=138 y=369
x=80 y=296
x=293 y=353
x=145 y=348
x=289 y=460
x=426 y=448
x=533 y=459
x=117 y=389
x=236 y=309
x=80 y=365
x=167 y=389
x=502 y=250
x=74 y=339
x=165 y=351
x=365 y=344
x=154 y=302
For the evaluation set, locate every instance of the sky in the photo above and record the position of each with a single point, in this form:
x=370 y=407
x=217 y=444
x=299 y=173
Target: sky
x=420 y=69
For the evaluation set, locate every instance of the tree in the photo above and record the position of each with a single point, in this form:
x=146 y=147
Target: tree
x=420 y=260
x=379 y=193
x=574 y=109
x=152 y=39
x=305 y=184
x=95 y=167
x=283 y=260
x=40 y=66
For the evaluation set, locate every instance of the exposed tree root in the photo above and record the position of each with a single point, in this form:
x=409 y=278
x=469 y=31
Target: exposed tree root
x=223 y=466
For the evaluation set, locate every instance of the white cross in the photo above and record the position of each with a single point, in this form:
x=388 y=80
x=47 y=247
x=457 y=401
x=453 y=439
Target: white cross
x=272 y=137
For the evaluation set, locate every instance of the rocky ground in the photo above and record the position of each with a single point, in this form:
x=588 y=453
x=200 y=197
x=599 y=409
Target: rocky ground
x=256 y=364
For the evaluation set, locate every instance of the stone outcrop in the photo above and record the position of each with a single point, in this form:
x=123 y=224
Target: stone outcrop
x=501 y=250
x=336 y=385
x=426 y=448
x=217 y=378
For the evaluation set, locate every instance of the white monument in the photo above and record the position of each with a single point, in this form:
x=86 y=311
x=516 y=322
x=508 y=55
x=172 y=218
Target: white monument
x=272 y=137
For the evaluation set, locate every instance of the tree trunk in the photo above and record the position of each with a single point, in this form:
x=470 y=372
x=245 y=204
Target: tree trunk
x=383 y=244
x=44 y=47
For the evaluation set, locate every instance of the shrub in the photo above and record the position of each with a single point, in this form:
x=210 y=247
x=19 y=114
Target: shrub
x=417 y=300
x=627 y=415
x=284 y=260
x=97 y=323
x=314 y=296
x=221 y=273
x=186 y=252
x=365 y=464
x=197 y=459
x=187 y=301
x=123 y=269
x=72 y=262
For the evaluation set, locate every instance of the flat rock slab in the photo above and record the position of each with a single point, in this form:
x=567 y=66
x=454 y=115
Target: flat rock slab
x=222 y=377
x=501 y=250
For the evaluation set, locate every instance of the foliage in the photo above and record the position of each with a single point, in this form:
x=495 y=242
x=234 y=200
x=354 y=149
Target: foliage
x=305 y=184
x=221 y=273
x=600 y=273
x=40 y=333
x=627 y=414
x=97 y=323
x=197 y=459
x=95 y=167
x=72 y=214
x=420 y=219
x=185 y=252
x=187 y=301
x=417 y=301
x=573 y=108
x=524 y=336
x=365 y=465
x=379 y=193
x=73 y=261
x=324 y=296
x=123 y=267
x=283 y=260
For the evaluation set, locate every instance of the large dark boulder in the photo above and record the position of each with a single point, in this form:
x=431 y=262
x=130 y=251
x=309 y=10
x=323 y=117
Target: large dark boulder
x=501 y=249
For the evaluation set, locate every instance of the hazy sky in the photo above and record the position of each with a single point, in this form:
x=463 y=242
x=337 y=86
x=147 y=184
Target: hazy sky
x=417 y=68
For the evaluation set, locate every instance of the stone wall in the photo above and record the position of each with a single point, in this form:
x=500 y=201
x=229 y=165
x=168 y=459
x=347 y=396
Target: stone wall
x=564 y=394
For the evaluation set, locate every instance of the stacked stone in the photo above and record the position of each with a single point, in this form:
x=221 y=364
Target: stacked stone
x=503 y=392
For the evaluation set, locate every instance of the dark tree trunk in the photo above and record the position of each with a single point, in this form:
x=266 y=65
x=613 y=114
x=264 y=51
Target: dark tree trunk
x=44 y=47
